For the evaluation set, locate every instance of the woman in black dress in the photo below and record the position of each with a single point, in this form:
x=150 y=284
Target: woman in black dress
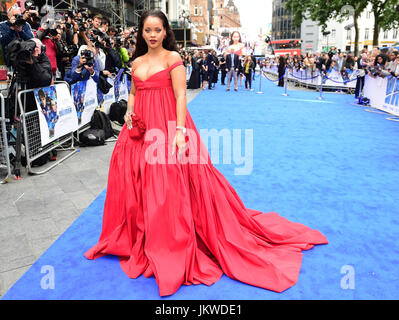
x=204 y=70
x=195 y=77
x=281 y=71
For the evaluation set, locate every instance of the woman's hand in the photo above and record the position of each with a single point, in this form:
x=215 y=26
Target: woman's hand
x=128 y=119
x=180 y=142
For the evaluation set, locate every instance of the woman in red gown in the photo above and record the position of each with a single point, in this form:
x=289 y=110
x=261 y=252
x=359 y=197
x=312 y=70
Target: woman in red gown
x=169 y=212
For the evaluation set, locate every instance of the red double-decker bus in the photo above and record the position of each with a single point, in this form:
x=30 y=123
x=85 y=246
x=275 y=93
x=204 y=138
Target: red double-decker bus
x=290 y=46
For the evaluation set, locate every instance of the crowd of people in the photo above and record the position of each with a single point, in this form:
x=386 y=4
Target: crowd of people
x=70 y=46
x=75 y=46
x=375 y=63
x=205 y=66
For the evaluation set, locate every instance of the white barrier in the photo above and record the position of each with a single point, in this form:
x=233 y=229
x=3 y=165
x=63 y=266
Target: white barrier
x=383 y=93
x=313 y=77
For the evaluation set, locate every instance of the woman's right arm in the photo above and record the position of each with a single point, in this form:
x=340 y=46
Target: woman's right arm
x=130 y=101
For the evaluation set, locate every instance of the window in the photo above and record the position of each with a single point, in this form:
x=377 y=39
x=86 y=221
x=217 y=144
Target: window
x=386 y=34
x=348 y=34
x=333 y=33
x=196 y=10
x=368 y=15
x=395 y=34
x=366 y=33
x=200 y=11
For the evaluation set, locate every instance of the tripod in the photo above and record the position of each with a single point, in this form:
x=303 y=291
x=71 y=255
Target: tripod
x=15 y=138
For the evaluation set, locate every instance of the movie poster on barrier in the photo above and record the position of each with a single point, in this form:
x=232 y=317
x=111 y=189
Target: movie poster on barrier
x=383 y=93
x=84 y=95
x=105 y=100
x=120 y=87
x=124 y=88
x=57 y=115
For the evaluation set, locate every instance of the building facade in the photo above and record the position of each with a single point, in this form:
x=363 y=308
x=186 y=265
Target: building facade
x=199 y=15
x=342 y=34
x=282 y=25
x=225 y=16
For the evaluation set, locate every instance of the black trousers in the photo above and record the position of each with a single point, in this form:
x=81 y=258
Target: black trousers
x=248 y=79
x=359 y=86
x=223 y=77
x=281 y=78
x=210 y=78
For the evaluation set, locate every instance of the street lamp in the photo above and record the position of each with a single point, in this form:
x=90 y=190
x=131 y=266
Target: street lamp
x=326 y=33
x=348 y=28
x=185 y=15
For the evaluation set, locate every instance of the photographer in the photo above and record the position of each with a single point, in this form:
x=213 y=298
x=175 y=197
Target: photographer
x=83 y=68
x=40 y=67
x=51 y=39
x=32 y=15
x=122 y=51
x=97 y=21
x=13 y=28
x=70 y=29
x=361 y=65
x=113 y=60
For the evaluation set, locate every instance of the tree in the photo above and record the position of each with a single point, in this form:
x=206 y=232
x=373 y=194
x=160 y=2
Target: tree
x=386 y=16
x=323 y=10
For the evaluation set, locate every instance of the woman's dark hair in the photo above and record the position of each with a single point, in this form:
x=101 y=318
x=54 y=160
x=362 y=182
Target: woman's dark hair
x=384 y=59
x=231 y=38
x=169 y=43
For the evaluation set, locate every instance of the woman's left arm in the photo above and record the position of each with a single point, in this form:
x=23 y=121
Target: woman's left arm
x=178 y=75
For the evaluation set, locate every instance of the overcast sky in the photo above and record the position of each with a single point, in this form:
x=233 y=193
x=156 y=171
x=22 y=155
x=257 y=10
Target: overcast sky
x=254 y=14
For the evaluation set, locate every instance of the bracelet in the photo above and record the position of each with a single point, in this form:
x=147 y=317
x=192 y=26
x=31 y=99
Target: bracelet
x=183 y=129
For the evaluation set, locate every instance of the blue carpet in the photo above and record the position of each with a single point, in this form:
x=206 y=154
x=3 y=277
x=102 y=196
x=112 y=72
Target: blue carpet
x=327 y=164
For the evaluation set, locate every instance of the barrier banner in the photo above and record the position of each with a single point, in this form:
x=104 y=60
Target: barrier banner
x=333 y=79
x=120 y=87
x=123 y=88
x=383 y=93
x=84 y=95
x=57 y=114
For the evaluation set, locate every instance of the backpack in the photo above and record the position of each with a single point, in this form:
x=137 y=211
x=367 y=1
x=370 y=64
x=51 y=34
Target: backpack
x=100 y=121
x=92 y=137
x=117 y=111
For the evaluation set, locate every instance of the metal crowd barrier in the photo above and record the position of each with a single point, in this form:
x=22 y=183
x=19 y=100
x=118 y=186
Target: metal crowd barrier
x=313 y=79
x=32 y=138
x=5 y=167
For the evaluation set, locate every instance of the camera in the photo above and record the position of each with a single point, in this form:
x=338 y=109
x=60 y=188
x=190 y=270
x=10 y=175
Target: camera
x=81 y=24
x=88 y=54
x=118 y=42
x=19 y=20
x=53 y=32
x=68 y=50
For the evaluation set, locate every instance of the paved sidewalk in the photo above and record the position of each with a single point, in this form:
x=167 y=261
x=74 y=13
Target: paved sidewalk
x=36 y=210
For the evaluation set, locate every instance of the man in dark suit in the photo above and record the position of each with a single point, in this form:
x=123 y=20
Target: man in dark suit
x=362 y=63
x=232 y=65
x=210 y=60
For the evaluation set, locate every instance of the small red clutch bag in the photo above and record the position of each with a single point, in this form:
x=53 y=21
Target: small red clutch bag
x=138 y=128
